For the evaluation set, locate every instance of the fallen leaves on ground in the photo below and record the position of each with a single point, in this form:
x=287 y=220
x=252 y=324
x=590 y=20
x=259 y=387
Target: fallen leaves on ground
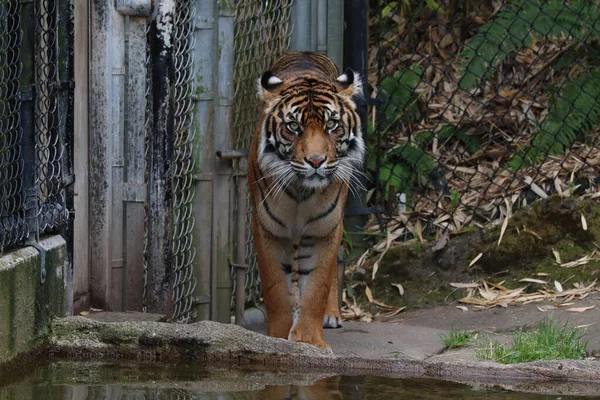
x=353 y=311
x=486 y=294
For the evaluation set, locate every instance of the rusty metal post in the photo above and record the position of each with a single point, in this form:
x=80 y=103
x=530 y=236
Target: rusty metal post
x=240 y=262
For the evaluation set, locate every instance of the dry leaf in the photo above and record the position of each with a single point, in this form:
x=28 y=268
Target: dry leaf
x=585 y=326
x=463 y=308
x=400 y=288
x=543 y=274
x=390 y=237
x=535 y=188
x=504 y=225
x=96 y=309
x=441 y=243
x=369 y=294
x=545 y=308
x=558 y=286
x=580 y=309
x=583 y=222
x=375 y=269
x=556 y=256
x=476 y=259
x=464 y=285
x=84 y=313
x=533 y=281
x=391 y=313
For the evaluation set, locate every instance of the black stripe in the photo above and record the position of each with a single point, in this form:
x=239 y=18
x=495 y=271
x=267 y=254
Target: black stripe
x=306 y=194
x=302 y=256
x=269 y=148
x=353 y=146
x=307 y=244
x=329 y=210
x=287 y=268
x=297 y=102
x=290 y=194
x=268 y=210
x=305 y=271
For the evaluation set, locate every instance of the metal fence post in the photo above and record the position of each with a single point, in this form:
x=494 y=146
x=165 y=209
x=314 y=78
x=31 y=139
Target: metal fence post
x=81 y=250
x=134 y=187
x=160 y=226
x=300 y=39
x=222 y=139
x=321 y=25
x=204 y=50
x=356 y=58
x=100 y=177
x=335 y=31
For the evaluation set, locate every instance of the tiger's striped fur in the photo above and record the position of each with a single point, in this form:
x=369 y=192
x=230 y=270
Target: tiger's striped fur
x=306 y=150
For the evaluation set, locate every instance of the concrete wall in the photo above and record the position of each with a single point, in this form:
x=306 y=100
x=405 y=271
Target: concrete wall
x=27 y=305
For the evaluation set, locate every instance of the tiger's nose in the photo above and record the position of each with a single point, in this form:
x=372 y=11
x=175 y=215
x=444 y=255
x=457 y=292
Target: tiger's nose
x=316 y=161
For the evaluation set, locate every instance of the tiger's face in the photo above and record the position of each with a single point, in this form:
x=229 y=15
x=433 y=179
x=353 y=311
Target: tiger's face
x=311 y=135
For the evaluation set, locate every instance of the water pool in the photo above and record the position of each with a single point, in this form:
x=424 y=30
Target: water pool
x=120 y=380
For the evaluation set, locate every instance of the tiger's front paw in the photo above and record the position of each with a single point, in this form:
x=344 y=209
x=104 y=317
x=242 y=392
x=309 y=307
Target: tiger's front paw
x=310 y=336
x=332 y=320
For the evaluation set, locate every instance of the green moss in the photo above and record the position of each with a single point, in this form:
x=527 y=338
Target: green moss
x=118 y=335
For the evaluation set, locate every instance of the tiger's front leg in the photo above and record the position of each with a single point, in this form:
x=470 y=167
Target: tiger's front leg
x=316 y=276
x=274 y=284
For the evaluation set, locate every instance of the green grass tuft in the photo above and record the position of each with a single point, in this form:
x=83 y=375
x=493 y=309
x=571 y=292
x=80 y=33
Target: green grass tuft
x=549 y=341
x=457 y=339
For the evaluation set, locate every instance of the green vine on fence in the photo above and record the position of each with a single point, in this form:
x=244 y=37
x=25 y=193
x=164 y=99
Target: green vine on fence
x=574 y=107
x=516 y=26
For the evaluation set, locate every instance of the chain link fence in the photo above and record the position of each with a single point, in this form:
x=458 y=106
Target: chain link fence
x=262 y=33
x=488 y=106
x=35 y=118
x=12 y=214
x=184 y=281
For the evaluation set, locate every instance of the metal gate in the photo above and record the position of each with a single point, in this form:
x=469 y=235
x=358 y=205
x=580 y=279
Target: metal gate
x=36 y=121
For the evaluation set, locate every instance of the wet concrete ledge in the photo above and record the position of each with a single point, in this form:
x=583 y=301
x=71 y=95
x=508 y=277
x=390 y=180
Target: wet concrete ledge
x=214 y=344
x=27 y=305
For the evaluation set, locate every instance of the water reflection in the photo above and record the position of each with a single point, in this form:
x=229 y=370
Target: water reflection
x=104 y=381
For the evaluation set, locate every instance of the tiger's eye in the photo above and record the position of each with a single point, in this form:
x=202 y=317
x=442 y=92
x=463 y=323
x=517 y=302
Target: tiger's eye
x=331 y=124
x=293 y=126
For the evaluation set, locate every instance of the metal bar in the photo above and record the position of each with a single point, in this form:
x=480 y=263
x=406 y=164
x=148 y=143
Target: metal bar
x=240 y=269
x=134 y=189
x=301 y=26
x=231 y=154
x=204 y=109
x=134 y=8
x=100 y=182
x=335 y=31
x=314 y=25
x=222 y=139
x=160 y=224
x=116 y=153
x=356 y=58
x=322 y=23
x=66 y=99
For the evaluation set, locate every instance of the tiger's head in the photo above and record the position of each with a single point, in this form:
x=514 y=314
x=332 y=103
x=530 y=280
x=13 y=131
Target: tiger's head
x=311 y=134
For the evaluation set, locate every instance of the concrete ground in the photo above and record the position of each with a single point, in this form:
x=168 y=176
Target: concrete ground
x=417 y=333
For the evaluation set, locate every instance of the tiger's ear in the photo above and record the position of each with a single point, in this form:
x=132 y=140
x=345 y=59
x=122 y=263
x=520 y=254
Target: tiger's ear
x=349 y=84
x=268 y=86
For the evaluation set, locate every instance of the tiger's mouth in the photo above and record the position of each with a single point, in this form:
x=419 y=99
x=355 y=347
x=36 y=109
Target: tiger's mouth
x=315 y=178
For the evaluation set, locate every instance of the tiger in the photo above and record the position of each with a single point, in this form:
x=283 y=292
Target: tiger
x=306 y=150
